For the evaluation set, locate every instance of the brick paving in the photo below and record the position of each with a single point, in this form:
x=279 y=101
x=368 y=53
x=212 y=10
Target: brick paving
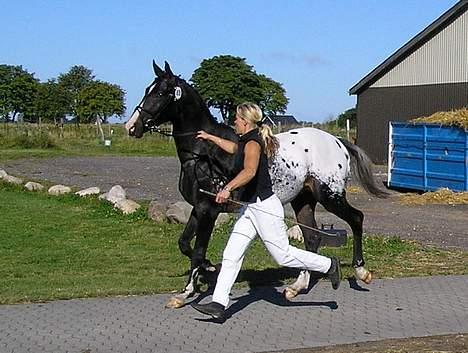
x=259 y=319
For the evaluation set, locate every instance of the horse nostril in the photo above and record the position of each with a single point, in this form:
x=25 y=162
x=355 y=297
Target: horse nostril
x=131 y=131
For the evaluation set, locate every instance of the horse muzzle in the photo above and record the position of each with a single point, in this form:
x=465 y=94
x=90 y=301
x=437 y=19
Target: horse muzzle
x=136 y=130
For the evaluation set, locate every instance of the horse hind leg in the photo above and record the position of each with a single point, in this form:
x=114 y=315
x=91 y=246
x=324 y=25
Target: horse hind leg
x=304 y=207
x=339 y=206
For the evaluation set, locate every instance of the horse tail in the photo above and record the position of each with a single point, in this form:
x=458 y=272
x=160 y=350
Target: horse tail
x=363 y=170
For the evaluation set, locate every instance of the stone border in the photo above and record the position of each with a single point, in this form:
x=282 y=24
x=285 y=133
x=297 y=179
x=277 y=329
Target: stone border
x=178 y=212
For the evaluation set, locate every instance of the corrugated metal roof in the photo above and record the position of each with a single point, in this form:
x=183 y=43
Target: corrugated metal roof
x=419 y=40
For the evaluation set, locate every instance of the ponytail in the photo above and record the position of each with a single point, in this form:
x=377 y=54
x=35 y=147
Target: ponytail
x=251 y=112
x=270 y=140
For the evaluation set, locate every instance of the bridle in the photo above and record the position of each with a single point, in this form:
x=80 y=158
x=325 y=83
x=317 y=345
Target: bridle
x=150 y=125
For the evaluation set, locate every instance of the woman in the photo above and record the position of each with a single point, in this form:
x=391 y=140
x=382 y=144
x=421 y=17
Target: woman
x=264 y=214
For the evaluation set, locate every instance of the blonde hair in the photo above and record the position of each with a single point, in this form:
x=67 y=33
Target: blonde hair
x=252 y=113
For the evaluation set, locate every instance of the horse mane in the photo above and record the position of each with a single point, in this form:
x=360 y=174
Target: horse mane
x=197 y=95
x=219 y=128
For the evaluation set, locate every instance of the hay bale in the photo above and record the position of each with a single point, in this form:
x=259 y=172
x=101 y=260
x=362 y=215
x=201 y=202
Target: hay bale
x=456 y=118
x=442 y=196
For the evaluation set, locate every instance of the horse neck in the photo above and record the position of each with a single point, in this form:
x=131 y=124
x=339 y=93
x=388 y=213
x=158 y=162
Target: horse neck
x=190 y=119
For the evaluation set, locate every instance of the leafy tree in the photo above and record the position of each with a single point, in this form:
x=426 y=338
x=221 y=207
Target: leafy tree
x=17 y=92
x=52 y=102
x=348 y=114
x=225 y=81
x=74 y=81
x=274 y=99
x=98 y=101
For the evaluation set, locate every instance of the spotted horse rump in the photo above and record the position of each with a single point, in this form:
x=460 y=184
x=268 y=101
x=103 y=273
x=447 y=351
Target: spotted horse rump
x=308 y=152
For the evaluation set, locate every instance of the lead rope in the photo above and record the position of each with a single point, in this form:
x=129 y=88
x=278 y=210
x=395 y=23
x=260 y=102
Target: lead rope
x=245 y=204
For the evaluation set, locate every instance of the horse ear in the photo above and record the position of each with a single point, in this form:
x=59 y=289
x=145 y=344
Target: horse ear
x=157 y=70
x=167 y=68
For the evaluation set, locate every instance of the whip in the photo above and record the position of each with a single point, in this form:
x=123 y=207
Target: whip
x=241 y=203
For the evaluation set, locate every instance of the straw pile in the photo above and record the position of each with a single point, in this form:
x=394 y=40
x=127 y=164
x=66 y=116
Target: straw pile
x=442 y=196
x=457 y=118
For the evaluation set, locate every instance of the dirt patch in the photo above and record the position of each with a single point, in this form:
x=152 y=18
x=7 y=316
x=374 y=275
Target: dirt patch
x=434 y=344
x=156 y=178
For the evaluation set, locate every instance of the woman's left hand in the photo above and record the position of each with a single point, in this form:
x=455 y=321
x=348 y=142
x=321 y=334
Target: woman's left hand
x=203 y=135
x=223 y=196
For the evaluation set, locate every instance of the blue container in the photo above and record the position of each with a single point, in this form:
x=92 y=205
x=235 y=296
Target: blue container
x=427 y=157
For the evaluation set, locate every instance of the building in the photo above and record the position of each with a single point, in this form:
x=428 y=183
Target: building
x=281 y=120
x=428 y=74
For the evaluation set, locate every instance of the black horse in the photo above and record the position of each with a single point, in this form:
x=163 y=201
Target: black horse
x=311 y=166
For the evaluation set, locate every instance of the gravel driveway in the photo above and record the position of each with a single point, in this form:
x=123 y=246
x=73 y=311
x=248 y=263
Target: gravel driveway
x=156 y=178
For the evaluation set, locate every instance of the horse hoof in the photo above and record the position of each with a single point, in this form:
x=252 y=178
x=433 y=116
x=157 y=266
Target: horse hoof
x=289 y=293
x=175 y=303
x=368 y=278
x=363 y=274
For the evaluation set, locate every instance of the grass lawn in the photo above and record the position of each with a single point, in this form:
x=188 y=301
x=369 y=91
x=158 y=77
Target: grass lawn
x=68 y=247
x=31 y=142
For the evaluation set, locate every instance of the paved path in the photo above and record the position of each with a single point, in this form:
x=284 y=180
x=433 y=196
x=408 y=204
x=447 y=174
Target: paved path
x=260 y=319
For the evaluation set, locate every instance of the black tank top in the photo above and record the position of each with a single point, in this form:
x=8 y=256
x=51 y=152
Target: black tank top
x=260 y=185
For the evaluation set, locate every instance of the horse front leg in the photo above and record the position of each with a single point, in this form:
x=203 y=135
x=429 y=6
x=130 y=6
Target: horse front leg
x=203 y=227
x=178 y=300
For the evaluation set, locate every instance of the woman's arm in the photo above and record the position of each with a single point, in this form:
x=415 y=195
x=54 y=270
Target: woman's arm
x=252 y=152
x=226 y=145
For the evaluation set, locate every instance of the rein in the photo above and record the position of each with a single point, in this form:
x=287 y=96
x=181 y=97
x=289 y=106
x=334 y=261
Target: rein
x=178 y=134
x=245 y=204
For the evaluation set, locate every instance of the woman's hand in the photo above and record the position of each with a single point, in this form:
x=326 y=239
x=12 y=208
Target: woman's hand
x=223 y=196
x=202 y=135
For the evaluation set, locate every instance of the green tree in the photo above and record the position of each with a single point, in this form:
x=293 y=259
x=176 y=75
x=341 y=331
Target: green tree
x=274 y=99
x=98 y=101
x=74 y=81
x=225 y=81
x=348 y=114
x=18 y=89
x=52 y=102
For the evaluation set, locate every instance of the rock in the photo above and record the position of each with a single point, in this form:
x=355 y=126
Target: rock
x=127 y=206
x=13 y=180
x=222 y=219
x=179 y=212
x=59 y=190
x=157 y=211
x=289 y=212
x=115 y=194
x=89 y=191
x=32 y=186
x=3 y=174
x=295 y=233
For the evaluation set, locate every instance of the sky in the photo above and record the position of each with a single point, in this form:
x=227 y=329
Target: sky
x=317 y=49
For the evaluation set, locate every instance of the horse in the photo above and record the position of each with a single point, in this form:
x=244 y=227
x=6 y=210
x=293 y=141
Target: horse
x=311 y=166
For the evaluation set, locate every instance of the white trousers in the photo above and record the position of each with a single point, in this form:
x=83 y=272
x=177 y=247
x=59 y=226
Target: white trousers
x=265 y=218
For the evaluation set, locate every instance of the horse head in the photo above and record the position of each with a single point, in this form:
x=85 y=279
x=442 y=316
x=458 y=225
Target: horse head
x=159 y=102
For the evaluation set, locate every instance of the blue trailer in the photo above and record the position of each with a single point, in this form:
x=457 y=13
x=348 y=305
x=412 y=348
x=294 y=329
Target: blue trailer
x=427 y=157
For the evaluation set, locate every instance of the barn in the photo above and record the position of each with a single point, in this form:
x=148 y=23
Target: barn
x=428 y=74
